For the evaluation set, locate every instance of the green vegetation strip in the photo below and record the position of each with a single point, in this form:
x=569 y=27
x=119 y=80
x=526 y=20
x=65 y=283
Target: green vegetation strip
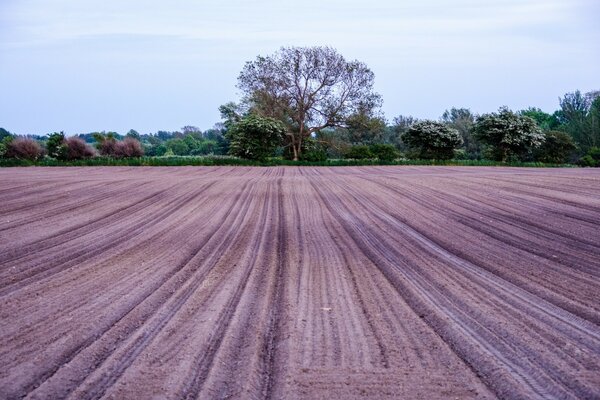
x=214 y=161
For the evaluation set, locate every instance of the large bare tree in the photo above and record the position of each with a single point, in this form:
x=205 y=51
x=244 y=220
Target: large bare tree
x=309 y=89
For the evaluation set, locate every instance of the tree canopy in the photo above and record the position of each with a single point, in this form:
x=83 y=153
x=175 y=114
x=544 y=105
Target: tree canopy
x=432 y=140
x=508 y=134
x=308 y=89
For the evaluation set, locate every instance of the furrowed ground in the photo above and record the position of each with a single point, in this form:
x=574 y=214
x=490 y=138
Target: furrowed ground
x=413 y=282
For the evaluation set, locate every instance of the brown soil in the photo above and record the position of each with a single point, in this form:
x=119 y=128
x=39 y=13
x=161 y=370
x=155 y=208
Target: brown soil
x=382 y=282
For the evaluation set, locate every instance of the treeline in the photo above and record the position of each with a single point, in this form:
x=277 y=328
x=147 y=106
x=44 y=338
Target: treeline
x=311 y=104
x=571 y=134
x=190 y=141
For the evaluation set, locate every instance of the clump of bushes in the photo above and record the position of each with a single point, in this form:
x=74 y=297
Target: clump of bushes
x=78 y=149
x=359 y=152
x=384 y=152
x=68 y=149
x=109 y=146
x=24 y=149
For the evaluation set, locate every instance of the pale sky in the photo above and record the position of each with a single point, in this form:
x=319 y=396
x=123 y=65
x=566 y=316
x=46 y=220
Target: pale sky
x=92 y=65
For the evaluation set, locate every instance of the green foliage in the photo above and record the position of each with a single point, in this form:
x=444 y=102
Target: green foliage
x=544 y=121
x=557 y=148
x=4 y=144
x=359 y=152
x=56 y=147
x=4 y=134
x=510 y=136
x=384 y=152
x=313 y=151
x=591 y=159
x=462 y=119
x=179 y=147
x=308 y=89
x=133 y=134
x=228 y=160
x=364 y=128
x=432 y=140
x=255 y=137
x=579 y=116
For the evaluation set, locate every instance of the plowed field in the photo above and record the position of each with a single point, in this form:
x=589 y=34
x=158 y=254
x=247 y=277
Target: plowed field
x=383 y=282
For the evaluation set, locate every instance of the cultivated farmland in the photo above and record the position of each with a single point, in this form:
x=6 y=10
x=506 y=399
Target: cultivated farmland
x=298 y=282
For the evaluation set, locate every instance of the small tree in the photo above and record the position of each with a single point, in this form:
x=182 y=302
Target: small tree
x=255 y=137
x=432 y=140
x=509 y=135
x=557 y=147
x=55 y=145
x=4 y=144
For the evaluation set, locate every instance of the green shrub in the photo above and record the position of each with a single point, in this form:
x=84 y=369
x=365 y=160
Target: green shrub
x=55 y=146
x=255 y=137
x=4 y=145
x=359 y=152
x=384 y=152
x=588 y=161
x=313 y=151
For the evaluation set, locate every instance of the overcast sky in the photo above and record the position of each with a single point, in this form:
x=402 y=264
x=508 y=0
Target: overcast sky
x=83 y=66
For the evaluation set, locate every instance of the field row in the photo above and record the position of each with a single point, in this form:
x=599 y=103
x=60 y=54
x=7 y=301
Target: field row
x=299 y=282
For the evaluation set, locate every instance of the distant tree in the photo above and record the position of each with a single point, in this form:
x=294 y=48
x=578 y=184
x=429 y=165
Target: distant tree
x=308 y=89
x=255 y=137
x=557 y=147
x=55 y=145
x=133 y=134
x=4 y=134
x=217 y=135
x=432 y=140
x=365 y=127
x=164 y=135
x=509 y=135
x=393 y=133
x=191 y=130
x=544 y=121
x=579 y=116
x=462 y=119
x=178 y=146
x=4 y=145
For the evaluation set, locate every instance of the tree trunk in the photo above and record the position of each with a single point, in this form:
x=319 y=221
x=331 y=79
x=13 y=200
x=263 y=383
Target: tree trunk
x=295 y=150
